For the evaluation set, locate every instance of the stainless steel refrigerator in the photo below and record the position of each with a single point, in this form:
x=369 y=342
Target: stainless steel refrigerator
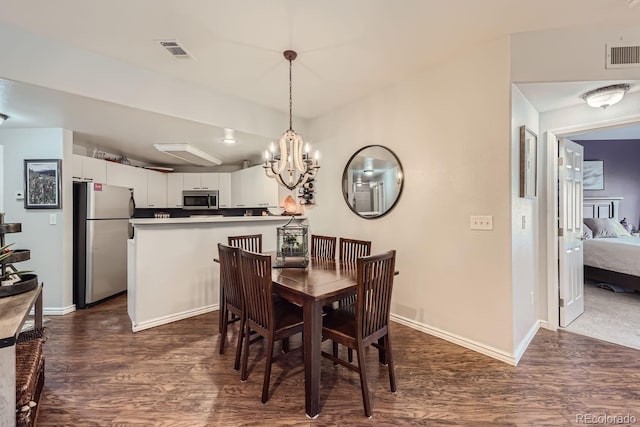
x=101 y=228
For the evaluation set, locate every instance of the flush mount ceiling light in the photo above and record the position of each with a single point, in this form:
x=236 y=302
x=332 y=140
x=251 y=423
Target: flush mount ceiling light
x=292 y=165
x=605 y=96
x=229 y=138
x=3 y=117
x=188 y=153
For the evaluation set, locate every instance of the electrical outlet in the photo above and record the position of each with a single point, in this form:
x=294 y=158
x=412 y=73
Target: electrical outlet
x=481 y=222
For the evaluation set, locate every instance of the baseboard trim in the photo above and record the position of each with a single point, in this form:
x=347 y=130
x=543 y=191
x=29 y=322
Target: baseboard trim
x=545 y=325
x=524 y=344
x=58 y=311
x=456 y=339
x=172 y=318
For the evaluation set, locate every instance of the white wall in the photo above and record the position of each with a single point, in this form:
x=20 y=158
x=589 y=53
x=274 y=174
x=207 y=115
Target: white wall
x=570 y=54
x=525 y=256
x=50 y=245
x=449 y=127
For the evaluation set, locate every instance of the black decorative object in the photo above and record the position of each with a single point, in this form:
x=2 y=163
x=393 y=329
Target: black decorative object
x=306 y=193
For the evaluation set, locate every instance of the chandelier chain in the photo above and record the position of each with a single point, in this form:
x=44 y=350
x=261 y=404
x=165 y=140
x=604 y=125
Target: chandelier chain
x=290 y=98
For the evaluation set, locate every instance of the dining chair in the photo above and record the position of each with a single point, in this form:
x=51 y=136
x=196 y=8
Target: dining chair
x=249 y=242
x=351 y=249
x=323 y=247
x=271 y=319
x=231 y=283
x=358 y=326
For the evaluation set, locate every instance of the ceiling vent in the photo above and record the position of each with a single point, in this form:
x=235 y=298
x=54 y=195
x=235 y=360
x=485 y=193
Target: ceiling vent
x=175 y=48
x=623 y=55
x=188 y=153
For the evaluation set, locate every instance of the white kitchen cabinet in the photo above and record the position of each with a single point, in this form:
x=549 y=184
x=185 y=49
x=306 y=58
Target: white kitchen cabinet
x=156 y=189
x=89 y=169
x=201 y=181
x=130 y=177
x=210 y=181
x=251 y=188
x=224 y=190
x=175 y=186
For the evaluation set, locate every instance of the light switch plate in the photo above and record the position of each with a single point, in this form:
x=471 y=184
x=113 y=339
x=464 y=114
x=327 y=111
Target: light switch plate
x=481 y=222
x=52 y=219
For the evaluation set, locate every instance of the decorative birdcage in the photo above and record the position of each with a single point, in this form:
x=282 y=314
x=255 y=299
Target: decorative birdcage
x=292 y=245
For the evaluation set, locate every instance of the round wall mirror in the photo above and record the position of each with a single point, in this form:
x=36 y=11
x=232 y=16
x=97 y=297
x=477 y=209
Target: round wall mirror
x=372 y=181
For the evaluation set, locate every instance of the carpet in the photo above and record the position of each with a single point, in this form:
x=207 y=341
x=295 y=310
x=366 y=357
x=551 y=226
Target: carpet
x=609 y=316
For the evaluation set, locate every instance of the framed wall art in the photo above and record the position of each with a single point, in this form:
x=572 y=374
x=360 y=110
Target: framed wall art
x=593 y=175
x=42 y=184
x=528 y=163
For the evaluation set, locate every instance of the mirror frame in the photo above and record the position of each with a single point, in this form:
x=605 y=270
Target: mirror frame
x=344 y=177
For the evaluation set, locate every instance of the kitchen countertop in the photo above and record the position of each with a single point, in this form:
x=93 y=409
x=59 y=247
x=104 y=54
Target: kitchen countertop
x=210 y=219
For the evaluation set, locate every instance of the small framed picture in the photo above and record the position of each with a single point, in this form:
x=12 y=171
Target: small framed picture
x=42 y=184
x=528 y=163
x=593 y=175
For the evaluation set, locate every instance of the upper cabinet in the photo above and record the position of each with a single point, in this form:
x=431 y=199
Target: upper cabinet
x=224 y=195
x=89 y=169
x=130 y=177
x=201 y=181
x=251 y=188
x=156 y=189
x=175 y=186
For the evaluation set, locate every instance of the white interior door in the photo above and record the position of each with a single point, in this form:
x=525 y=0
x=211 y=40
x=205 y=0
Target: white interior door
x=570 y=230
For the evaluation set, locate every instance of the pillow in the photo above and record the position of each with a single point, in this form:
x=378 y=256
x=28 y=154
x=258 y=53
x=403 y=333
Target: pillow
x=602 y=227
x=621 y=230
x=586 y=232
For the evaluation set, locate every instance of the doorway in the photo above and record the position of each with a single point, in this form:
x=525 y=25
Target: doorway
x=607 y=326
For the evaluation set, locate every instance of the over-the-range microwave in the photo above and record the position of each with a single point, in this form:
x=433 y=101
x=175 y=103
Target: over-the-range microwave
x=200 y=199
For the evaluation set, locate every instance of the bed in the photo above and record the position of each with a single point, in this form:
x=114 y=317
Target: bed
x=614 y=260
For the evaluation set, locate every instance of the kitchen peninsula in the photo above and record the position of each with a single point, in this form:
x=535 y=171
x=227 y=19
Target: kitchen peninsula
x=171 y=274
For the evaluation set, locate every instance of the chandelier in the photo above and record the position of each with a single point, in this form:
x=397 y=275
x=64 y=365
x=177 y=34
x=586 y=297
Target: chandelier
x=291 y=165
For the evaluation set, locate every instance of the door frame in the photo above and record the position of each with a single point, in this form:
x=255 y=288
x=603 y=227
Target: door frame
x=553 y=282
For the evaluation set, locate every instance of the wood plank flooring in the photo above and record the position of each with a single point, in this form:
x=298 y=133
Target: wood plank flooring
x=100 y=373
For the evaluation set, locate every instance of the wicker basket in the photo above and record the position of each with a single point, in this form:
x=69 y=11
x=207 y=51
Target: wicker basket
x=29 y=375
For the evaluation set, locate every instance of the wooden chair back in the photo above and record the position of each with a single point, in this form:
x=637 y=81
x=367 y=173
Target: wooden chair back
x=249 y=242
x=230 y=279
x=257 y=287
x=351 y=250
x=373 y=299
x=323 y=247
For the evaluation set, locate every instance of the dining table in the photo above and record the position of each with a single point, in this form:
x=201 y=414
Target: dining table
x=321 y=282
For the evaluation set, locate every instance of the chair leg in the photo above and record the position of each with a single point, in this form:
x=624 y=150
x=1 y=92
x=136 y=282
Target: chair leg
x=245 y=359
x=223 y=331
x=285 y=345
x=335 y=350
x=267 y=371
x=350 y=355
x=392 y=369
x=236 y=364
x=363 y=383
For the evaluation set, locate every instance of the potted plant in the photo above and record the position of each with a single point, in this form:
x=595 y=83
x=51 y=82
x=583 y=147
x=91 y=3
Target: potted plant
x=9 y=275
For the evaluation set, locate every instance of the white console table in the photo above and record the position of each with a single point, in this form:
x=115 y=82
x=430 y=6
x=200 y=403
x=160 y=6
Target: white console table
x=13 y=312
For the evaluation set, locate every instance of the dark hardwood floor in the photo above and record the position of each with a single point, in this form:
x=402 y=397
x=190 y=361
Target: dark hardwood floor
x=100 y=373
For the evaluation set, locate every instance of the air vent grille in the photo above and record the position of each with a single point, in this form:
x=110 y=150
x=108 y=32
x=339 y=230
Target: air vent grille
x=175 y=48
x=623 y=55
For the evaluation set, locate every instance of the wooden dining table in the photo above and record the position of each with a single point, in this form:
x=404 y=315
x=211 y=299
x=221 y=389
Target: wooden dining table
x=321 y=282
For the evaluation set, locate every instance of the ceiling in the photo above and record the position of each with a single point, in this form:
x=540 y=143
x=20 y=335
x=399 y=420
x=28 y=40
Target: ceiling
x=347 y=49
